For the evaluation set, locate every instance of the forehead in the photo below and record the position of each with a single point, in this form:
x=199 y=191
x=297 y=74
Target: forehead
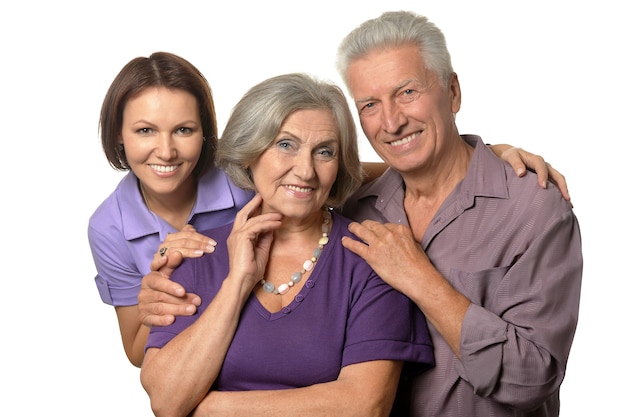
x=386 y=69
x=162 y=100
x=318 y=124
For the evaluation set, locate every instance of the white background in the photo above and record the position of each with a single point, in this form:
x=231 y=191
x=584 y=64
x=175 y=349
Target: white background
x=544 y=75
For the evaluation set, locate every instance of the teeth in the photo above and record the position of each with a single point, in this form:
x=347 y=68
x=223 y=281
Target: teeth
x=300 y=189
x=164 y=168
x=404 y=140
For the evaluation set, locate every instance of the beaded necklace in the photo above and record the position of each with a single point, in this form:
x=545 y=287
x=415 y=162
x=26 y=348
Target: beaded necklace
x=306 y=266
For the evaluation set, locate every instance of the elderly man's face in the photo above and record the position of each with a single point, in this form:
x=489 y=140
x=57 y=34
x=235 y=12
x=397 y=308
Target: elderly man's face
x=404 y=111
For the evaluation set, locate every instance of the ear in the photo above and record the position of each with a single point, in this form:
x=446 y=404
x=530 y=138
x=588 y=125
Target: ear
x=454 y=93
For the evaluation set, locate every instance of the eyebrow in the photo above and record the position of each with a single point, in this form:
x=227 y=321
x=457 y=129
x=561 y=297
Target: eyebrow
x=334 y=139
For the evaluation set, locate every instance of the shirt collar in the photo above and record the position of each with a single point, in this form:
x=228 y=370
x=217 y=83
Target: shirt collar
x=486 y=177
x=214 y=194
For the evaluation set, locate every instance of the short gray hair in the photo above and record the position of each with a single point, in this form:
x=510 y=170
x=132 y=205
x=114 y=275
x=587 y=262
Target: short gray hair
x=257 y=118
x=393 y=29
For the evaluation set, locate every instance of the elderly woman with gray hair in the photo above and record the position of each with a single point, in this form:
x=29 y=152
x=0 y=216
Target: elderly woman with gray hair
x=290 y=320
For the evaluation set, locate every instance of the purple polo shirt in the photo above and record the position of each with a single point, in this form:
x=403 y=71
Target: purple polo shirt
x=124 y=235
x=514 y=250
x=344 y=314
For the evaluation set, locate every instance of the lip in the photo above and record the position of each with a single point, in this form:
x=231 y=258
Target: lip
x=299 y=191
x=406 y=140
x=164 y=170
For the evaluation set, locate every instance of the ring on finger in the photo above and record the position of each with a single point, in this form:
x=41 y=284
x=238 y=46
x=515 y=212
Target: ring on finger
x=163 y=250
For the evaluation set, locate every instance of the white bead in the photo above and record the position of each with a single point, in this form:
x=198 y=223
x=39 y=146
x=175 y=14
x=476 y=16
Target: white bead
x=283 y=288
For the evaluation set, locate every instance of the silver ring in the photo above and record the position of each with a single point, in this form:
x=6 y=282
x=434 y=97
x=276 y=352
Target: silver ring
x=162 y=251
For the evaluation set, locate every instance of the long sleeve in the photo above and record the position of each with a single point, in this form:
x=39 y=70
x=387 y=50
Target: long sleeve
x=515 y=348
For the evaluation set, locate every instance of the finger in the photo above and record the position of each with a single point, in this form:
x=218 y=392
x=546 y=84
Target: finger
x=157 y=262
x=558 y=179
x=246 y=211
x=538 y=165
x=188 y=228
x=164 y=314
x=172 y=260
x=158 y=321
x=159 y=287
x=355 y=246
x=189 y=240
x=186 y=251
x=366 y=230
x=513 y=156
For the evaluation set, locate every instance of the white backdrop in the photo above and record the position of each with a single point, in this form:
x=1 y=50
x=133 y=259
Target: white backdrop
x=543 y=75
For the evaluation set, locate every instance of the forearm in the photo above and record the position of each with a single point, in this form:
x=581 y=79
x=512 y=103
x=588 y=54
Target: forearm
x=134 y=334
x=363 y=390
x=178 y=376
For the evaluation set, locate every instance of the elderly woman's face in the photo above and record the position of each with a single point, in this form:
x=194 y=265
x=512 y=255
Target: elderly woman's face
x=296 y=173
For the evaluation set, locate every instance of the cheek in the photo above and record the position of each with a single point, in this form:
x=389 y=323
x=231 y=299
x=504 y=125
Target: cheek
x=192 y=152
x=328 y=175
x=135 y=151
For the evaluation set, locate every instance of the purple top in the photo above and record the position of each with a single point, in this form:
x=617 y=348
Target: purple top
x=124 y=234
x=344 y=314
x=514 y=249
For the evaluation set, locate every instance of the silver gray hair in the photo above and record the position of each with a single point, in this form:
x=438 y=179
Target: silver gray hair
x=257 y=118
x=393 y=29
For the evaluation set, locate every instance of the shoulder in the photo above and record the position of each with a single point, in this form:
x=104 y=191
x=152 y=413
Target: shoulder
x=110 y=208
x=376 y=200
x=219 y=233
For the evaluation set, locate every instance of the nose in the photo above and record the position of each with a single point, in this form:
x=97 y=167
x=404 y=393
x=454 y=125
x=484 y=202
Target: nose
x=304 y=167
x=165 y=147
x=393 y=118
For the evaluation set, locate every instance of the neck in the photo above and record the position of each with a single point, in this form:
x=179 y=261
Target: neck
x=174 y=207
x=438 y=178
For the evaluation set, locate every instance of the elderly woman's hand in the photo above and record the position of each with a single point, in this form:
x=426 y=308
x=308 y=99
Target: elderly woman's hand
x=250 y=241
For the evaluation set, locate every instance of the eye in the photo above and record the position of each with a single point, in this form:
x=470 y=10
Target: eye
x=185 y=131
x=144 y=131
x=367 y=108
x=285 y=144
x=326 y=153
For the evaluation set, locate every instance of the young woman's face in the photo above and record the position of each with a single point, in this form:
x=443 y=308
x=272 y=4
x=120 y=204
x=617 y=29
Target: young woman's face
x=162 y=138
x=296 y=173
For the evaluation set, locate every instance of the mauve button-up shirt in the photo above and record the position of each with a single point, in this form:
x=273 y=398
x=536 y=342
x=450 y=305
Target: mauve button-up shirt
x=514 y=249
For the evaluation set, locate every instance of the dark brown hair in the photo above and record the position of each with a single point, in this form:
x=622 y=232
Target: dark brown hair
x=161 y=69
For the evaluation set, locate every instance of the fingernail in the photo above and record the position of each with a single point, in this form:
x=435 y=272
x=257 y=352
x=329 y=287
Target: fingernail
x=520 y=171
